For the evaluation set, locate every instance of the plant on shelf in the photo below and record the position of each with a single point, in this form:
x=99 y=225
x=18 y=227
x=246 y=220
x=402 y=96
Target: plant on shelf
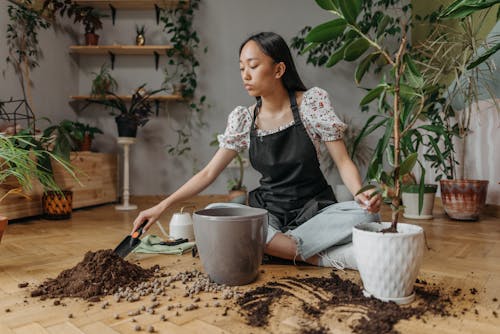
x=178 y=24
x=91 y=19
x=237 y=190
x=130 y=115
x=364 y=31
x=103 y=81
x=465 y=72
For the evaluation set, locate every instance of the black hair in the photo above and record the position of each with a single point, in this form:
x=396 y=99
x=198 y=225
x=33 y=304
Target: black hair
x=275 y=47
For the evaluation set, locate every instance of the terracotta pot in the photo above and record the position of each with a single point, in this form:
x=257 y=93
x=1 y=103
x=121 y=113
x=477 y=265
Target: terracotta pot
x=464 y=199
x=57 y=205
x=3 y=225
x=91 y=39
x=86 y=143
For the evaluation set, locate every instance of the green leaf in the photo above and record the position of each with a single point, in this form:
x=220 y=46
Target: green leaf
x=308 y=48
x=407 y=165
x=365 y=188
x=407 y=93
x=326 y=31
x=479 y=60
x=463 y=8
x=382 y=25
x=355 y=49
x=363 y=67
x=327 y=4
x=421 y=190
x=373 y=94
x=350 y=9
x=337 y=55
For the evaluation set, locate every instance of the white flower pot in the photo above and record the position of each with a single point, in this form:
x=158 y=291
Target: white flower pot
x=388 y=262
x=410 y=201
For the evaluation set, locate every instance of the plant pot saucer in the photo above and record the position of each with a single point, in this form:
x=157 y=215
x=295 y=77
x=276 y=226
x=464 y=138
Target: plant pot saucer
x=410 y=216
x=399 y=301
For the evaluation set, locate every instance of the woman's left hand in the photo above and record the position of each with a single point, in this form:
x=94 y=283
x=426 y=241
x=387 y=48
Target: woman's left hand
x=370 y=204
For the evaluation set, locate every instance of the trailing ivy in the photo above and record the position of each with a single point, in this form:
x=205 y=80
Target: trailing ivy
x=178 y=24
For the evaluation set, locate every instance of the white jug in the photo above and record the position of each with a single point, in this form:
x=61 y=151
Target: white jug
x=181 y=225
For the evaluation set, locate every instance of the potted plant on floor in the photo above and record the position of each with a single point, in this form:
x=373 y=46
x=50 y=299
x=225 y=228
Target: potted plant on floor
x=59 y=139
x=466 y=73
x=388 y=254
x=130 y=117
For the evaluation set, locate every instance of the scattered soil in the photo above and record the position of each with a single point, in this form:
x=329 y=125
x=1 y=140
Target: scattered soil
x=328 y=293
x=100 y=273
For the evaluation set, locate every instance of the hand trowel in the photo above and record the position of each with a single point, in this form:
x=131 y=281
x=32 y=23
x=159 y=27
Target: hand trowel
x=130 y=242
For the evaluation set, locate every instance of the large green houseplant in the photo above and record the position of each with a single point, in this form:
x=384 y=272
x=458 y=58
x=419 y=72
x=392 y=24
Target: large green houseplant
x=466 y=73
x=386 y=252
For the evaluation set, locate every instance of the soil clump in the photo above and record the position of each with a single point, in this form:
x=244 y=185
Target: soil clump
x=99 y=273
x=328 y=293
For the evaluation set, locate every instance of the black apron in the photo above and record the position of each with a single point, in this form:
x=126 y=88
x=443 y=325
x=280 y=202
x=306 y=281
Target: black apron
x=292 y=186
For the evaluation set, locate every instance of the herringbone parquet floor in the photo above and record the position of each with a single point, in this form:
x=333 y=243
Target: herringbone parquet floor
x=463 y=255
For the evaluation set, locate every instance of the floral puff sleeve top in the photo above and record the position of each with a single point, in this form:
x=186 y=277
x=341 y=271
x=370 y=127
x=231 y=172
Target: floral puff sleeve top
x=316 y=112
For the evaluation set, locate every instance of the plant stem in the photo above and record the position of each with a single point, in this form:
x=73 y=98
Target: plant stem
x=240 y=163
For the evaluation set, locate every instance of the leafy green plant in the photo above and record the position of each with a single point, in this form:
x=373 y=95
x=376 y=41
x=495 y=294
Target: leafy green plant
x=23 y=44
x=139 y=109
x=103 y=81
x=361 y=31
x=87 y=129
x=63 y=138
x=456 y=60
x=178 y=24
x=23 y=158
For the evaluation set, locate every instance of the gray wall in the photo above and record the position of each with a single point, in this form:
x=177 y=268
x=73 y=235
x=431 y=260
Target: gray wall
x=222 y=25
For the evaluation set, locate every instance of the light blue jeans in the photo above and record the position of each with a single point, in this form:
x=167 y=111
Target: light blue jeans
x=332 y=226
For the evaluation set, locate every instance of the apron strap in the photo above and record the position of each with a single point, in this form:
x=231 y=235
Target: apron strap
x=295 y=108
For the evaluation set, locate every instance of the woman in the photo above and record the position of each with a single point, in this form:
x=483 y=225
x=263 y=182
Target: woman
x=283 y=131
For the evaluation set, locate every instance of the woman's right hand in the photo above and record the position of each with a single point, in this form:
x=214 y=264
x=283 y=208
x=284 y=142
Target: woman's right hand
x=151 y=215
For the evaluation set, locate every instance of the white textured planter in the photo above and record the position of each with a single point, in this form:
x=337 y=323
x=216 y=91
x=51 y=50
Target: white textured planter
x=388 y=262
x=410 y=201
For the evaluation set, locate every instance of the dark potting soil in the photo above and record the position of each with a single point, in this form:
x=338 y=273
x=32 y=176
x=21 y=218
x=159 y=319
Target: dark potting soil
x=100 y=273
x=331 y=292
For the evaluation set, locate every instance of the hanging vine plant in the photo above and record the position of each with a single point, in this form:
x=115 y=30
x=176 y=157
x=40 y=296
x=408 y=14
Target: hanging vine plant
x=22 y=42
x=178 y=24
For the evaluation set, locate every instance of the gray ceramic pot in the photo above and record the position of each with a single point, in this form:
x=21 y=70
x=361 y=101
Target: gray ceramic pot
x=231 y=243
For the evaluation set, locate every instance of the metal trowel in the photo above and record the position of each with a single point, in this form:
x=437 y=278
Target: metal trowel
x=130 y=242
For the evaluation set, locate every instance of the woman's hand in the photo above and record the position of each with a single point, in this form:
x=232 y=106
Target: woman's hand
x=371 y=204
x=151 y=215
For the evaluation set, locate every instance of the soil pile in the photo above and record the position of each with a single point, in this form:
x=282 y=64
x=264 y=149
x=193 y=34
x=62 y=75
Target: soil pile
x=327 y=293
x=100 y=273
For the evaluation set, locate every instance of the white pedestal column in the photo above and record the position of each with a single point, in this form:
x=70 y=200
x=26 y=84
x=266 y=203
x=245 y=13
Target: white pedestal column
x=126 y=142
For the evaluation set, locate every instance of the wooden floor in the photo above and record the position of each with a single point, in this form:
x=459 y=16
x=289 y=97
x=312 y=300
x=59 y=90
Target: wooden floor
x=463 y=255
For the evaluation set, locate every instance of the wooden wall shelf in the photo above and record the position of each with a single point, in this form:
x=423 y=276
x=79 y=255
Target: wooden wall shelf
x=113 y=50
x=159 y=98
x=132 y=4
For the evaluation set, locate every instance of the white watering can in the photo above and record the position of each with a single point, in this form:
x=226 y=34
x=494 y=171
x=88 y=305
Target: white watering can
x=181 y=225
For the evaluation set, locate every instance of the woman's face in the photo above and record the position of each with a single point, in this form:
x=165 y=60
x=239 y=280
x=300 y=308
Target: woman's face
x=259 y=72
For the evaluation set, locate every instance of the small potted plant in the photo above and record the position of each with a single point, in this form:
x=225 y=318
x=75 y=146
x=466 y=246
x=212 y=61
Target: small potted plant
x=88 y=133
x=103 y=81
x=128 y=118
x=91 y=20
